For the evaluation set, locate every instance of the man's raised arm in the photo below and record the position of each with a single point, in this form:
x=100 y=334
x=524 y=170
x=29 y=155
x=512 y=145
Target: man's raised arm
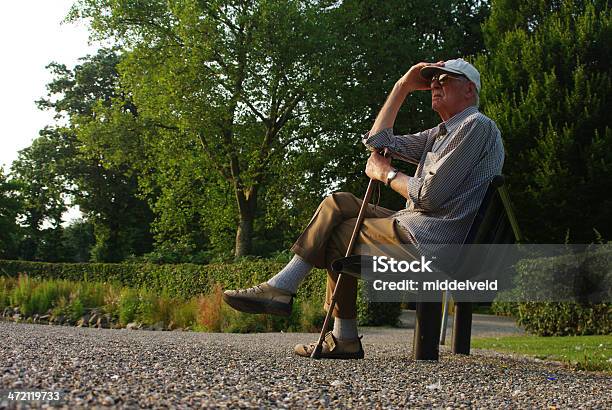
x=411 y=81
x=379 y=167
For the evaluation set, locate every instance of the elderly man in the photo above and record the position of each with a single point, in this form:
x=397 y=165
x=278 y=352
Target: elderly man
x=456 y=161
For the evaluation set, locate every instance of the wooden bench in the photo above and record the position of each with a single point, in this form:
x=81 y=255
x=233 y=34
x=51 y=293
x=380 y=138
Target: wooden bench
x=494 y=223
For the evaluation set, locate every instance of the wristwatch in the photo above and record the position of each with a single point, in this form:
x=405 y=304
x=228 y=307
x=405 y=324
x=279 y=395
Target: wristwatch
x=391 y=175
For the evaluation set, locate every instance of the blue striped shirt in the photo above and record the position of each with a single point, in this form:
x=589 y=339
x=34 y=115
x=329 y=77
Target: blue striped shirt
x=450 y=182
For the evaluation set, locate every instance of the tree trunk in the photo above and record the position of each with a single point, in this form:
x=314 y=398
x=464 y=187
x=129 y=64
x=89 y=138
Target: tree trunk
x=244 y=236
x=247 y=205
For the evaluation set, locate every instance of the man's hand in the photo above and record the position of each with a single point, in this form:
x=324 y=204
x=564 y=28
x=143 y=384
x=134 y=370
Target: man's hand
x=378 y=167
x=412 y=80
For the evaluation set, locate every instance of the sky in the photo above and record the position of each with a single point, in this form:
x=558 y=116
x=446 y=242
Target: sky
x=32 y=35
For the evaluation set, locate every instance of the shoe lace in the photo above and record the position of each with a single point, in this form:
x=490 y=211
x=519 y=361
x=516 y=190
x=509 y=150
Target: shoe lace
x=254 y=289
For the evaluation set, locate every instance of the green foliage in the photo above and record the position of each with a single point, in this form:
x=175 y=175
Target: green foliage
x=187 y=280
x=78 y=240
x=70 y=300
x=38 y=173
x=42 y=296
x=185 y=315
x=4 y=292
x=565 y=318
x=68 y=309
x=307 y=316
x=502 y=308
x=129 y=303
x=245 y=110
x=10 y=206
x=547 y=83
x=156 y=307
x=564 y=295
x=39 y=177
x=34 y=296
x=99 y=181
x=21 y=293
x=376 y=313
x=184 y=280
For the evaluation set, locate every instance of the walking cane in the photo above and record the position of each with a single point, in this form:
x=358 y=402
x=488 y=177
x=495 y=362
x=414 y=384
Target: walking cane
x=316 y=353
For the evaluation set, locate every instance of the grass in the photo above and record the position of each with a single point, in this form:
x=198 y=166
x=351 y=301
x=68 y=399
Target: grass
x=71 y=301
x=579 y=352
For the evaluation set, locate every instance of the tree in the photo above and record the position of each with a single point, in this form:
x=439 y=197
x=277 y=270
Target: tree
x=9 y=209
x=231 y=76
x=38 y=172
x=78 y=239
x=547 y=83
x=266 y=90
x=105 y=188
x=376 y=42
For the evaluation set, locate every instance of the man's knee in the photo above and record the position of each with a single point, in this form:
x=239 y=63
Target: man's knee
x=338 y=198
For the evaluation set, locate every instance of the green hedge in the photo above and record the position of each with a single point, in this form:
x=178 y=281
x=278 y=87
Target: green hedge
x=564 y=295
x=565 y=319
x=187 y=280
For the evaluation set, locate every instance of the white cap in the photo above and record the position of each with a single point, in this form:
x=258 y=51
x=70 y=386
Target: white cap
x=457 y=66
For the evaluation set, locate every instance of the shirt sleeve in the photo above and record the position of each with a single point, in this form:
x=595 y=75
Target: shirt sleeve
x=431 y=191
x=407 y=147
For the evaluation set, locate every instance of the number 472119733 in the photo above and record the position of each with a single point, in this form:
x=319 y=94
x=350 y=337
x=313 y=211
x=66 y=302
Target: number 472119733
x=33 y=395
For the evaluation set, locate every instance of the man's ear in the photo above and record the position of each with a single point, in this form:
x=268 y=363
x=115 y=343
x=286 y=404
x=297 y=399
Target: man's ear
x=470 y=92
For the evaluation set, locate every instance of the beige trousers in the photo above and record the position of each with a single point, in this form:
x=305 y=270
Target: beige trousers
x=327 y=236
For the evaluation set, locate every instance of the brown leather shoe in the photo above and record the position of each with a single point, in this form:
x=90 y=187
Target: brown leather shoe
x=334 y=348
x=262 y=298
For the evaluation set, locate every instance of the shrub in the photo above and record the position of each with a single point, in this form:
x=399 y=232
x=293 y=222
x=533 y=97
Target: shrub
x=92 y=294
x=307 y=316
x=75 y=308
x=21 y=293
x=188 y=280
x=209 y=314
x=155 y=308
x=112 y=299
x=4 y=292
x=186 y=314
x=69 y=301
x=563 y=319
x=564 y=295
x=506 y=303
x=129 y=304
x=376 y=313
x=42 y=297
x=501 y=308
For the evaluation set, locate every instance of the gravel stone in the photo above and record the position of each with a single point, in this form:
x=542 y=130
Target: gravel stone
x=108 y=368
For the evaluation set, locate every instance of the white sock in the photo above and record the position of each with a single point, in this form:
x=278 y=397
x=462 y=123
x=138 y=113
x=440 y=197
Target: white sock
x=292 y=275
x=345 y=329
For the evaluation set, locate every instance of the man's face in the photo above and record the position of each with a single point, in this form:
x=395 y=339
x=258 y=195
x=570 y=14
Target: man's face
x=449 y=93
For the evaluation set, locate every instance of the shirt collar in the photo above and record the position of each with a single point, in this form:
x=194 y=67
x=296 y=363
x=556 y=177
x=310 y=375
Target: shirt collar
x=452 y=123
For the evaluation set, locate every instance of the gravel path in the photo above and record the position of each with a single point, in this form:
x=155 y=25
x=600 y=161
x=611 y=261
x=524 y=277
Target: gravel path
x=182 y=369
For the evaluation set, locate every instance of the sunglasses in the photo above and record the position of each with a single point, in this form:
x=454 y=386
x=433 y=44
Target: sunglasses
x=444 y=78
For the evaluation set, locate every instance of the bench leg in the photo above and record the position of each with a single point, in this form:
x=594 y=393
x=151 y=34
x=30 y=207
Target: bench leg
x=462 y=328
x=427 y=331
x=445 y=302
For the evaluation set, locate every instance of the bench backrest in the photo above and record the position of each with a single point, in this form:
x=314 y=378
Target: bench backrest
x=495 y=221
